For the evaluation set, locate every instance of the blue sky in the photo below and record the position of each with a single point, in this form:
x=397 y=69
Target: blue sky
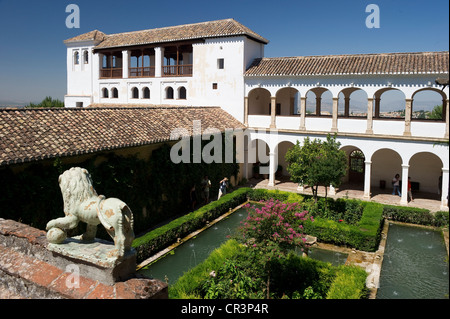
x=33 y=56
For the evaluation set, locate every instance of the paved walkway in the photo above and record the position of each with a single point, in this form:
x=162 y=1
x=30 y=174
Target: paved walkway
x=421 y=199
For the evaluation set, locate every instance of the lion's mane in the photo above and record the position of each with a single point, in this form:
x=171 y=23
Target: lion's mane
x=76 y=187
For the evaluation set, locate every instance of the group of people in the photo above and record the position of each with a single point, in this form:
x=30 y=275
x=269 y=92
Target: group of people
x=206 y=185
x=396 y=187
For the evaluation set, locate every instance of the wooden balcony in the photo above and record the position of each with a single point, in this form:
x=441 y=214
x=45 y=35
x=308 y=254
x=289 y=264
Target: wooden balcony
x=177 y=70
x=111 y=73
x=142 y=72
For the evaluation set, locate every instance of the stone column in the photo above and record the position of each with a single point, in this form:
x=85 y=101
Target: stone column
x=347 y=106
x=446 y=107
x=159 y=56
x=377 y=107
x=367 y=175
x=334 y=123
x=405 y=172
x=273 y=110
x=369 y=116
x=318 y=104
x=246 y=111
x=272 y=168
x=408 y=109
x=97 y=64
x=125 y=63
x=444 y=189
x=302 y=113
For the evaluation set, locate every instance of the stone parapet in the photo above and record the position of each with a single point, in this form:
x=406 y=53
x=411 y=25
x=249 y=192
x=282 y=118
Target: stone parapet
x=28 y=269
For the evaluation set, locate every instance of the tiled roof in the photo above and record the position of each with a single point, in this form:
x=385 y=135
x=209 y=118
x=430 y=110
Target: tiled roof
x=90 y=36
x=34 y=134
x=211 y=29
x=386 y=63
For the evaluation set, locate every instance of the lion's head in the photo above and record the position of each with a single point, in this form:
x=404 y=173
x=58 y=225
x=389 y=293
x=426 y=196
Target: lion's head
x=76 y=187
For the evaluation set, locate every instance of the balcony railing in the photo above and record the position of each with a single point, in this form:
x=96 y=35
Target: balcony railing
x=177 y=70
x=146 y=72
x=111 y=73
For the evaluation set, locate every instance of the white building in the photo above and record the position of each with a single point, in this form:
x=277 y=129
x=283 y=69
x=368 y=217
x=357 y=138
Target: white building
x=221 y=63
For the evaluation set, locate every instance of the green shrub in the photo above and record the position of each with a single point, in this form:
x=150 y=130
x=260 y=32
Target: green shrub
x=441 y=218
x=349 y=283
x=408 y=215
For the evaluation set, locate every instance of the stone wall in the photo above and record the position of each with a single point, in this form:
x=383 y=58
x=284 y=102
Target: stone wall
x=29 y=270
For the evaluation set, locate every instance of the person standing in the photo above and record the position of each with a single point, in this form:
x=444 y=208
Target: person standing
x=409 y=190
x=396 y=184
x=222 y=187
x=193 y=198
x=206 y=184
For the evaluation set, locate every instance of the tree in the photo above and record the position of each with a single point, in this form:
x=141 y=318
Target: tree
x=47 y=102
x=436 y=113
x=317 y=163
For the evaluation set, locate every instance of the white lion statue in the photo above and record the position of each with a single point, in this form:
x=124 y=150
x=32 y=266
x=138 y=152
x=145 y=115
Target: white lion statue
x=81 y=203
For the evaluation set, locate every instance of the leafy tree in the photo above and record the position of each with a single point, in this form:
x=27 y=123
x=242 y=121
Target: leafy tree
x=317 y=163
x=436 y=113
x=47 y=102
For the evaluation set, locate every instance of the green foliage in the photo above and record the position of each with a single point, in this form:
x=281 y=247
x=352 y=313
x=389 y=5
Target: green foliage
x=415 y=216
x=235 y=279
x=47 y=102
x=436 y=113
x=317 y=163
x=349 y=283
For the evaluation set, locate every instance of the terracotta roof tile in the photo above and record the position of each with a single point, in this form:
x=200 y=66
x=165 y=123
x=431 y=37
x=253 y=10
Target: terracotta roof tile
x=90 y=36
x=386 y=63
x=35 y=134
x=210 y=29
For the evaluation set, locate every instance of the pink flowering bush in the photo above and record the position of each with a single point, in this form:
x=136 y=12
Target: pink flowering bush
x=274 y=229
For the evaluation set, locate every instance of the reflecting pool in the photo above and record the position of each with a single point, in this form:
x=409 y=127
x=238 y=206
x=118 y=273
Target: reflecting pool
x=415 y=264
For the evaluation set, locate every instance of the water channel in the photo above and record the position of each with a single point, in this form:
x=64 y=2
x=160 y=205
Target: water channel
x=415 y=264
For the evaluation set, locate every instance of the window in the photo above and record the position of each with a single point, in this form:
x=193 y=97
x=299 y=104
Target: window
x=134 y=93
x=169 y=93
x=105 y=93
x=79 y=104
x=86 y=57
x=76 y=58
x=146 y=93
x=114 y=93
x=182 y=93
x=214 y=86
x=220 y=64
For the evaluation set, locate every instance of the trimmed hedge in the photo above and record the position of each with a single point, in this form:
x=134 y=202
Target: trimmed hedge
x=160 y=238
x=349 y=283
x=363 y=236
x=261 y=194
x=414 y=215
